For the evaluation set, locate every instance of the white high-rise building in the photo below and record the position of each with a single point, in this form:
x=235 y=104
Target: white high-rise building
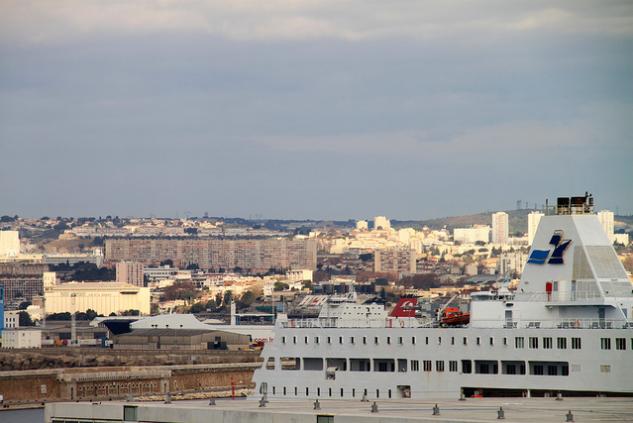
x=362 y=225
x=533 y=220
x=606 y=220
x=381 y=222
x=9 y=243
x=500 y=228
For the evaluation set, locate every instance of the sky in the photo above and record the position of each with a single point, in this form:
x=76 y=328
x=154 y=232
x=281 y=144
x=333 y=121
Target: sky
x=321 y=109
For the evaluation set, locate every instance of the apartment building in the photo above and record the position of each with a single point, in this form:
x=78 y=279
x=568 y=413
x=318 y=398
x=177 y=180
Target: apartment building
x=257 y=255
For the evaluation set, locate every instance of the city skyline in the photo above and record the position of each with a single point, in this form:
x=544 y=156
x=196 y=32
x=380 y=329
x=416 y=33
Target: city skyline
x=312 y=110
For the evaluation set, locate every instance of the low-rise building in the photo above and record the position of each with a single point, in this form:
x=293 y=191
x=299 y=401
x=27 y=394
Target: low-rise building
x=22 y=338
x=180 y=339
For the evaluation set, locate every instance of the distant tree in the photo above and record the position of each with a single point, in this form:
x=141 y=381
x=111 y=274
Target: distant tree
x=61 y=226
x=23 y=305
x=91 y=314
x=98 y=241
x=130 y=313
x=197 y=308
x=366 y=257
x=191 y=231
x=59 y=316
x=228 y=298
x=307 y=284
x=280 y=286
x=113 y=314
x=381 y=282
x=246 y=300
x=218 y=300
x=167 y=262
x=25 y=319
x=180 y=290
x=193 y=266
x=421 y=281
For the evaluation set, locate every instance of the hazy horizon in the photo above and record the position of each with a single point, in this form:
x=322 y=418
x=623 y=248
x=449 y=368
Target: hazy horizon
x=321 y=110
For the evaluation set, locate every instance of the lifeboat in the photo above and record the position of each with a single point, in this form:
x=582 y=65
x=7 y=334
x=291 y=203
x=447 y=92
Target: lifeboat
x=453 y=316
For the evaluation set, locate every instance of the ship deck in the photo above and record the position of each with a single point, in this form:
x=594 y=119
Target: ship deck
x=479 y=410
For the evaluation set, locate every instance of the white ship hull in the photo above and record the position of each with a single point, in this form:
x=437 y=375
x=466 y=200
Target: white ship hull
x=589 y=369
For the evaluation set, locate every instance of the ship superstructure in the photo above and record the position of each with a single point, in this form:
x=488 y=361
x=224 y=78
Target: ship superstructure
x=567 y=329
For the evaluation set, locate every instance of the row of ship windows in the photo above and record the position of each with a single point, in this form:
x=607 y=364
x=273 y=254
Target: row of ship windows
x=318 y=392
x=401 y=365
x=519 y=341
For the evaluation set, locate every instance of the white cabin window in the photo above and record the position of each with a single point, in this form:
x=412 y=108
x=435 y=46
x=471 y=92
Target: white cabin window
x=376 y=340
x=605 y=343
x=316 y=339
x=478 y=341
x=519 y=342
x=452 y=366
x=340 y=339
x=452 y=340
x=427 y=365
x=439 y=365
x=364 y=340
x=561 y=343
x=413 y=340
x=389 y=340
x=400 y=340
x=491 y=341
x=605 y=368
x=305 y=339
x=620 y=343
x=426 y=340
x=576 y=343
x=329 y=339
x=283 y=339
x=533 y=342
x=415 y=366
x=547 y=343
x=351 y=340
x=465 y=340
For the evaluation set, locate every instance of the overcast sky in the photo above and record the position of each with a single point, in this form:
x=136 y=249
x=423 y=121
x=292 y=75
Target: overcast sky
x=314 y=109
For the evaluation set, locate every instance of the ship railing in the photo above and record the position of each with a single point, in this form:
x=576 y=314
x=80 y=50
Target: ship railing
x=560 y=297
x=391 y=323
x=322 y=323
x=559 y=324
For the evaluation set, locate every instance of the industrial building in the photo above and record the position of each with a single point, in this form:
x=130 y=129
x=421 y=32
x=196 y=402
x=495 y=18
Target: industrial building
x=102 y=297
x=180 y=339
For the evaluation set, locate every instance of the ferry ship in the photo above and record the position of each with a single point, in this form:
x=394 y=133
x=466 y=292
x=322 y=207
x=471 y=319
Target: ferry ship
x=566 y=330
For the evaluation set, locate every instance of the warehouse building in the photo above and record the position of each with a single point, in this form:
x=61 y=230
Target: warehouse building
x=180 y=339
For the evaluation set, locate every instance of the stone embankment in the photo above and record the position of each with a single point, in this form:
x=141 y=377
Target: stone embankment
x=50 y=358
x=73 y=377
